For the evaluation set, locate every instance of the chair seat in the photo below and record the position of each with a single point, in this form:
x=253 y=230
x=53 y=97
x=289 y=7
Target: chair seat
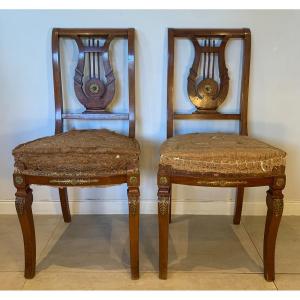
x=219 y=153
x=78 y=153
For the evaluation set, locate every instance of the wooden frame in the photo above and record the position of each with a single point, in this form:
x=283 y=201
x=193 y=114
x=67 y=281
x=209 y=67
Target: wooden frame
x=132 y=178
x=166 y=176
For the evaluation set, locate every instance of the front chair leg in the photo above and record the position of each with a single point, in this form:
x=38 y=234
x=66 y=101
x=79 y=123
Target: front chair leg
x=275 y=209
x=163 y=222
x=64 y=202
x=23 y=206
x=134 y=217
x=238 y=205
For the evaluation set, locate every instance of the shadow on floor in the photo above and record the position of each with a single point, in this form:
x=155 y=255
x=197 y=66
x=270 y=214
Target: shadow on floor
x=196 y=243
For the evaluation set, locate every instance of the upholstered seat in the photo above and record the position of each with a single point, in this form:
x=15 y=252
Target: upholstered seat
x=221 y=153
x=78 y=153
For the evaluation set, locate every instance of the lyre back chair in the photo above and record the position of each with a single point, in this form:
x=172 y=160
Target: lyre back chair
x=216 y=159
x=83 y=157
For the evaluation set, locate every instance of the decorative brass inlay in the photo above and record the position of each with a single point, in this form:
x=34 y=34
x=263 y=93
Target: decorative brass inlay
x=19 y=180
x=163 y=180
x=163 y=206
x=73 y=181
x=133 y=179
x=133 y=203
x=222 y=183
x=279 y=182
x=94 y=88
x=277 y=206
x=20 y=205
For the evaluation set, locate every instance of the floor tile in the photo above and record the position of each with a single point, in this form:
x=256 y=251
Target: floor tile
x=11 y=240
x=11 y=280
x=148 y=281
x=197 y=243
x=288 y=241
x=288 y=281
x=211 y=244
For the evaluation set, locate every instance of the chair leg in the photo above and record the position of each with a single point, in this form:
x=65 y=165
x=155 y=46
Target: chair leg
x=170 y=207
x=238 y=205
x=64 y=202
x=134 y=215
x=23 y=207
x=275 y=209
x=163 y=223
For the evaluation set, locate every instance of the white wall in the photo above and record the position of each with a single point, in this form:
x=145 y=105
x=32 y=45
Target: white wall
x=27 y=104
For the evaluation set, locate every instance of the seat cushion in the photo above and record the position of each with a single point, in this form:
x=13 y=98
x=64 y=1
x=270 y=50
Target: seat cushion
x=218 y=153
x=78 y=153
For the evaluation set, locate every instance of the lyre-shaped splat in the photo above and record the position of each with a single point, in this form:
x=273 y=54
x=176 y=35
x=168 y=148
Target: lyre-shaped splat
x=92 y=91
x=208 y=93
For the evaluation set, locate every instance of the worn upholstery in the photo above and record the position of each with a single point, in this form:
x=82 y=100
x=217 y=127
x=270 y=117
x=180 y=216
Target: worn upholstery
x=78 y=153
x=220 y=153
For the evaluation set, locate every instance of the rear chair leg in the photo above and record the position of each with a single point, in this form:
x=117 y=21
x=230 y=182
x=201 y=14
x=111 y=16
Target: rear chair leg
x=134 y=218
x=238 y=205
x=23 y=207
x=64 y=202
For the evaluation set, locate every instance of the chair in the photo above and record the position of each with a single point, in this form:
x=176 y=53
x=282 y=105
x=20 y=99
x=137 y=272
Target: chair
x=83 y=158
x=216 y=159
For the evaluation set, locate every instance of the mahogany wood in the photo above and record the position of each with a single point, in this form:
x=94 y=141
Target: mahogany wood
x=132 y=179
x=238 y=205
x=167 y=176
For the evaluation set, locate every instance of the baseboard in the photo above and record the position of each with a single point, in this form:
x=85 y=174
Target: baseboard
x=150 y=207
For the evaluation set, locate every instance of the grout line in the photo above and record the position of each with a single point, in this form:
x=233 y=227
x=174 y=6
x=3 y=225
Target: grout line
x=50 y=237
x=276 y=286
x=262 y=260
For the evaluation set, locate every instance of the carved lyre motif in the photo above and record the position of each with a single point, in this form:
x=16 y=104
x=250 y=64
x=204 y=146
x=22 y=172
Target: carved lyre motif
x=91 y=89
x=204 y=90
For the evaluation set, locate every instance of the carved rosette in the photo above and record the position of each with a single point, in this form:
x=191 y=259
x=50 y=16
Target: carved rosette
x=20 y=205
x=163 y=205
x=204 y=90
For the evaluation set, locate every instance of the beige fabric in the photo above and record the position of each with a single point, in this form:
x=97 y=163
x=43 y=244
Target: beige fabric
x=221 y=153
x=78 y=153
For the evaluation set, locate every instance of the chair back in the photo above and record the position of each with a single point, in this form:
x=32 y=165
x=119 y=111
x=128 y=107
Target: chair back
x=94 y=79
x=208 y=80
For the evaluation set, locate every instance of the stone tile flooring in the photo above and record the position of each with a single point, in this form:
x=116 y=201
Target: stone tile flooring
x=205 y=253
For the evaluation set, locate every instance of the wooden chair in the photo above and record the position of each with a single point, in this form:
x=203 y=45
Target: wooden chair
x=83 y=158
x=216 y=159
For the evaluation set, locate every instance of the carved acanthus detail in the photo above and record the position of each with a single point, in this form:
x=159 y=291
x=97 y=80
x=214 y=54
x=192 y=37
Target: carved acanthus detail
x=163 y=205
x=20 y=205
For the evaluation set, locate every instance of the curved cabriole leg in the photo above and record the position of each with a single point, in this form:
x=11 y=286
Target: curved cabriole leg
x=134 y=217
x=64 y=202
x=238 y=205
x=163 y=221
x=24 y=211
x=275 y=209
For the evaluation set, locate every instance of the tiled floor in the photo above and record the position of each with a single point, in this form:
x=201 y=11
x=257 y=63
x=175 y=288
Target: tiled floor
x=205 y=253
